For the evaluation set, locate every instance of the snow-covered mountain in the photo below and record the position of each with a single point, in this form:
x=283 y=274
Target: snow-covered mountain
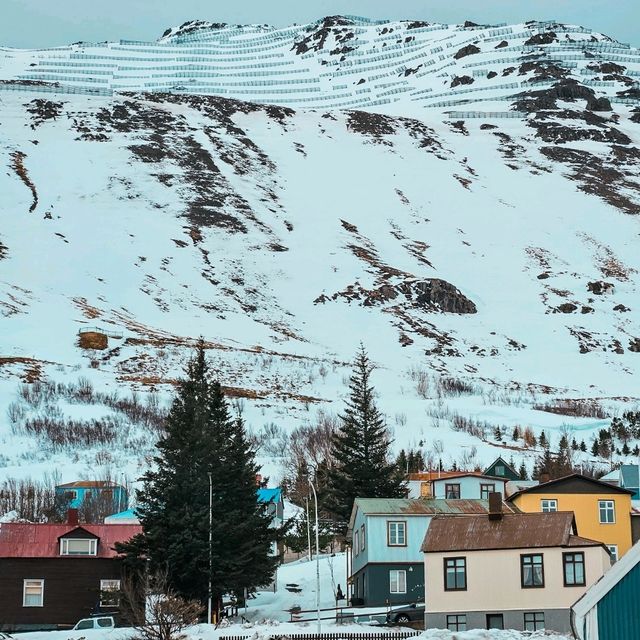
x=462 y=199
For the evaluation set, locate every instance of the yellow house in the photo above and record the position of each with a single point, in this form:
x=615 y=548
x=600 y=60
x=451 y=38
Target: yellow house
x=602 y=511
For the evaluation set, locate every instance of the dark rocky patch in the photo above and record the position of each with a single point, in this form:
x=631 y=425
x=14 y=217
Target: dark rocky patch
x=566 y=307
x=596 y=177
x=459 y=127
x=501 y=45
x=622 y=308
x=458 y=80
x=469 y=50
x=634 y=345
x=543 y=70
x=586 y=309
x=491 y=75
x=315 y=41
x=42 y=110
x=375 y=125
x=417 y=24
x=411 y=70
x=485 y=125
x=600 y=287
x=606 y=67
x=542 y=38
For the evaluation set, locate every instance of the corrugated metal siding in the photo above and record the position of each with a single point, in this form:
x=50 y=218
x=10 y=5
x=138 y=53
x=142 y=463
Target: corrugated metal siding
x=619 y=610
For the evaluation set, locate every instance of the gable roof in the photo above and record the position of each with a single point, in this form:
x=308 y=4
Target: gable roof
x=607 y=582
x=465 y=474
x=573 y=483
x=270 y=495
x=28 y=540
x=89 y=484
x=419 y=507
x=512 y=531
x=507 y=466
x=428 y=476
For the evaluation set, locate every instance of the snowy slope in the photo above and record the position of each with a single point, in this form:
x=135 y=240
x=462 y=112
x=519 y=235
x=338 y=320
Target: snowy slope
x=501 y=251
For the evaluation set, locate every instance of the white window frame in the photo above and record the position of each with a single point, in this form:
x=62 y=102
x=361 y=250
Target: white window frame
x=396 y=526
x=399 y=576
x=546 y=503
x=64 y=546
x=362 y=545
x=32 y=582
x=356 y=541
x=105 y=588
x=613 y=550
x=606 y=507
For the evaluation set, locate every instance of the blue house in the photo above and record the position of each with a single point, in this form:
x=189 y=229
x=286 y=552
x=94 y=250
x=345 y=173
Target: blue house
x=626 y=476
x=76 y=493
x=385 y=562
x=609 y=609
x=272 y=497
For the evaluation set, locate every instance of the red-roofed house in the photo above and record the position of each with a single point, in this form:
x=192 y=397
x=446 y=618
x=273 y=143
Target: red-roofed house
x=55 y=574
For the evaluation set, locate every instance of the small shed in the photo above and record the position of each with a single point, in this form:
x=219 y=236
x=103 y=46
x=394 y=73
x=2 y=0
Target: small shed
x=609 y=610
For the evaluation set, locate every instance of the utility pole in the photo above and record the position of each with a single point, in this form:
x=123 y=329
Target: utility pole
x=209 y=607
x=315 y=497
x=309 y=556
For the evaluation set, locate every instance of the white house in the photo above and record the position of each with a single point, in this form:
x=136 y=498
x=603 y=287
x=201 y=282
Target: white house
x=467 y=486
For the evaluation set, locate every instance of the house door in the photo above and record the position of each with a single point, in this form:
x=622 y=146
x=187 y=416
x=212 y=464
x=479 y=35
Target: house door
x=495 y=621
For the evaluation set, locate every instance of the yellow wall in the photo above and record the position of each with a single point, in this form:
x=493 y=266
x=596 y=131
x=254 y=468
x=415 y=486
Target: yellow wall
x=585 y=508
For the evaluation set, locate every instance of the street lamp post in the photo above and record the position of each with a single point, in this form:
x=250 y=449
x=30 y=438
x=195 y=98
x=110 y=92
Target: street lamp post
x=309 y=556
x=315 y=498
x=209 y=604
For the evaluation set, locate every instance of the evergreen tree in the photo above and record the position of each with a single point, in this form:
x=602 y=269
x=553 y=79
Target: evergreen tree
x=636 y=450
x=202 y=438
x=583 y=446
x=625 y=449
x=595 y=447
x=574 y=444
x=402 y=462
x=497 y=434
x=360 y=450
x=516 y=433
x=522 y=472
x=542 y=440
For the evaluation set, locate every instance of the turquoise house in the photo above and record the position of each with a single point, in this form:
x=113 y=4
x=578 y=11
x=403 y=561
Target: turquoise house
x=609 y=610
x=78 y=492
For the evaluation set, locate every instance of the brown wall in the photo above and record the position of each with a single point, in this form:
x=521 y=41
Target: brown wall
x=71 y=590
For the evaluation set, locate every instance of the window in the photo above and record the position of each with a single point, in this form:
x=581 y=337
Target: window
x=109 y=593
x=486 y=489
x=457 y=623
x=78 y=546
x=499 y=470
x=452 y=491
x=607 y=511
x=455 y=574
x=547 y=506
x=398 y=581
x=33 y=593
x=495 y=621
x=531 y=571
x=356 y=542
x=362 y=538
x=573 y=569
x=613 y=550
x=70 y=495
x=397 y=534
x=534 y=621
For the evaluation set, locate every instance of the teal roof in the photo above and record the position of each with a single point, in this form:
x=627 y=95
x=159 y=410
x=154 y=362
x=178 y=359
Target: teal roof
x=124 y=515
x=270 y=495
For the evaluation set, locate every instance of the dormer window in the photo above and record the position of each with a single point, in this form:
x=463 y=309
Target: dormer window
x=78 y=546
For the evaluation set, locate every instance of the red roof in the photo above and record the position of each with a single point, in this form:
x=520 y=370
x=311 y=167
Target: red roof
x=27 y=540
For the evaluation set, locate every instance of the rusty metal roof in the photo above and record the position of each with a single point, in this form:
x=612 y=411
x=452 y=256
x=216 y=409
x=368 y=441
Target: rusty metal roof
x=422 y=506
x=512 y=531
x=88 y=484
x=27 y=540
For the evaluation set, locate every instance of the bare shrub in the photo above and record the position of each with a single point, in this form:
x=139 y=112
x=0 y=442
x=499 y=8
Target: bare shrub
x=157 y=612
x=272 y=440
x=421 y=379
x=15 y=412
x=579 y=408
x=453 y=387
x=471 y=426
x=30 y=499
x=528 y=437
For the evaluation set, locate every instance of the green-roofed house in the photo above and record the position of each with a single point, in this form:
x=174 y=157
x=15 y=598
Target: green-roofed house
x=501 y=469
x=386 y=565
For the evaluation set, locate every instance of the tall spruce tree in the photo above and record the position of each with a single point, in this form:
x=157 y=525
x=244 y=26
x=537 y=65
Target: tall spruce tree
x=203 y=438
x=362 y=466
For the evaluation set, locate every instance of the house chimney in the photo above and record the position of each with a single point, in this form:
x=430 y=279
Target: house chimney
x=544 y=477
x=495 y=506
x=72 y=516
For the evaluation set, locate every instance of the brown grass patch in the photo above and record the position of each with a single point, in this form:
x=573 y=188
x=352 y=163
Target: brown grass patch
x=93 y=340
